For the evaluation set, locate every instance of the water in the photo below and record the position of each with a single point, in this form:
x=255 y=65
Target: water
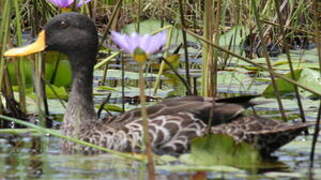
x=37 y=156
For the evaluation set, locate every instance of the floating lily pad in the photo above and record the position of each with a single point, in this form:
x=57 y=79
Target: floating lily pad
x=297 y=64
x=52 y=92
x=307 y=77
x=221 y=150
x=117 y=74
x=216 y=168
x=101 y=90
x=303 y=54
x=284 y=174
x=283 y=86
x=111 y=107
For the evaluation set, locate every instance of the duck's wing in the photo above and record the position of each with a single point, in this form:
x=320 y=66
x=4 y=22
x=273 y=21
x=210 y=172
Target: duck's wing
x=266 y=135
x=222 y=111
x=170 y=134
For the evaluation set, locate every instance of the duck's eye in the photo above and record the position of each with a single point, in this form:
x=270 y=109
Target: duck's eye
x=63 y=24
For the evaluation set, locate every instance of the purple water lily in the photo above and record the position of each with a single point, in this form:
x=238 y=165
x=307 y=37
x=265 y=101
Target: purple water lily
x=149 y=44
x=67 y=3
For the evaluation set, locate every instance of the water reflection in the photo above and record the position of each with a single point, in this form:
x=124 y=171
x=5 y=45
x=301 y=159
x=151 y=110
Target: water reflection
x=35 y=165
x=21 y=157
x=39 y=157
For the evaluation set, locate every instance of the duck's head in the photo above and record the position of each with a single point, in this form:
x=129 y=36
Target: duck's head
x=72 y=33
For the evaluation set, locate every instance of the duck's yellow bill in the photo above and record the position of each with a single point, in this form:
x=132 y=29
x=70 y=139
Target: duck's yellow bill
x=37 y=46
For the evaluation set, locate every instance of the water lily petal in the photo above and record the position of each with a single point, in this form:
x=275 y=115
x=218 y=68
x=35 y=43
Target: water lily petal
x=144 y=42
x=121 y=40
x=82 y=2
x=156 y=42
x=61 y=3
x=147 y=43
x=133 y=42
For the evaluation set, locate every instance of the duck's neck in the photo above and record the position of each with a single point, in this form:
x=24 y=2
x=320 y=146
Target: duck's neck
x=80 y=108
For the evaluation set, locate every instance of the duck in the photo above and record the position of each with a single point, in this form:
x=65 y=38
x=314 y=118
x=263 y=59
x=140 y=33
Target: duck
x=173 y=123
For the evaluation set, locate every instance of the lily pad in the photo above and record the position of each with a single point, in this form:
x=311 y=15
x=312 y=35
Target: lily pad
x=221 y=150
x=52 y=92
x=307 y=77
x=217 y=168
x=112 y=107
x=283 y=86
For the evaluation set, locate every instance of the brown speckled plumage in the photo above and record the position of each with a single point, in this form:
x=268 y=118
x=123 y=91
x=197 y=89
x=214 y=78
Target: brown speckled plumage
x=172 y=123
x=266 y=135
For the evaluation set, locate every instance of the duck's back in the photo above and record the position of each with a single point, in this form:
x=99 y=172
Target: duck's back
x=221 y=111
x=170 y=134
x=173 y=123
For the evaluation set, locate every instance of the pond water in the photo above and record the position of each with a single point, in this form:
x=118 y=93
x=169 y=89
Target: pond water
x=36 y=156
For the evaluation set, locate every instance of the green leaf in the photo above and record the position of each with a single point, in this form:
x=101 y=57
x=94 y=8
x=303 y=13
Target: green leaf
x=62 y=76
x=307 y=77
x=283 y=86
x=310 y=78
x=112 y=107
x=105 y=88
x=284 y=65
x=26 y=69
x=235 y=78
x=181 y=167
x=52 y=92
x=221 y=150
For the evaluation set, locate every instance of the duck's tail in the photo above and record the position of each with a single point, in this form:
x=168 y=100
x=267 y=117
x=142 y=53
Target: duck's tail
x=266 y=135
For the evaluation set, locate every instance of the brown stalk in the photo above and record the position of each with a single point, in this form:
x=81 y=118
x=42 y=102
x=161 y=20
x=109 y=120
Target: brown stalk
x=184 y=43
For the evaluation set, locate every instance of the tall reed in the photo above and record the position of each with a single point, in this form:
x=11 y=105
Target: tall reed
x=4 y=34
x=267 y=58
x=19 y=72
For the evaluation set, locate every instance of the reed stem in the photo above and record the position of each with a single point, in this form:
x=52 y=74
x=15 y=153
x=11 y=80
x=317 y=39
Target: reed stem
x=144 y=116
x=181 y=11
x=268 y=62
x=19 y=73
x=4 y=30
x=286 y=48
